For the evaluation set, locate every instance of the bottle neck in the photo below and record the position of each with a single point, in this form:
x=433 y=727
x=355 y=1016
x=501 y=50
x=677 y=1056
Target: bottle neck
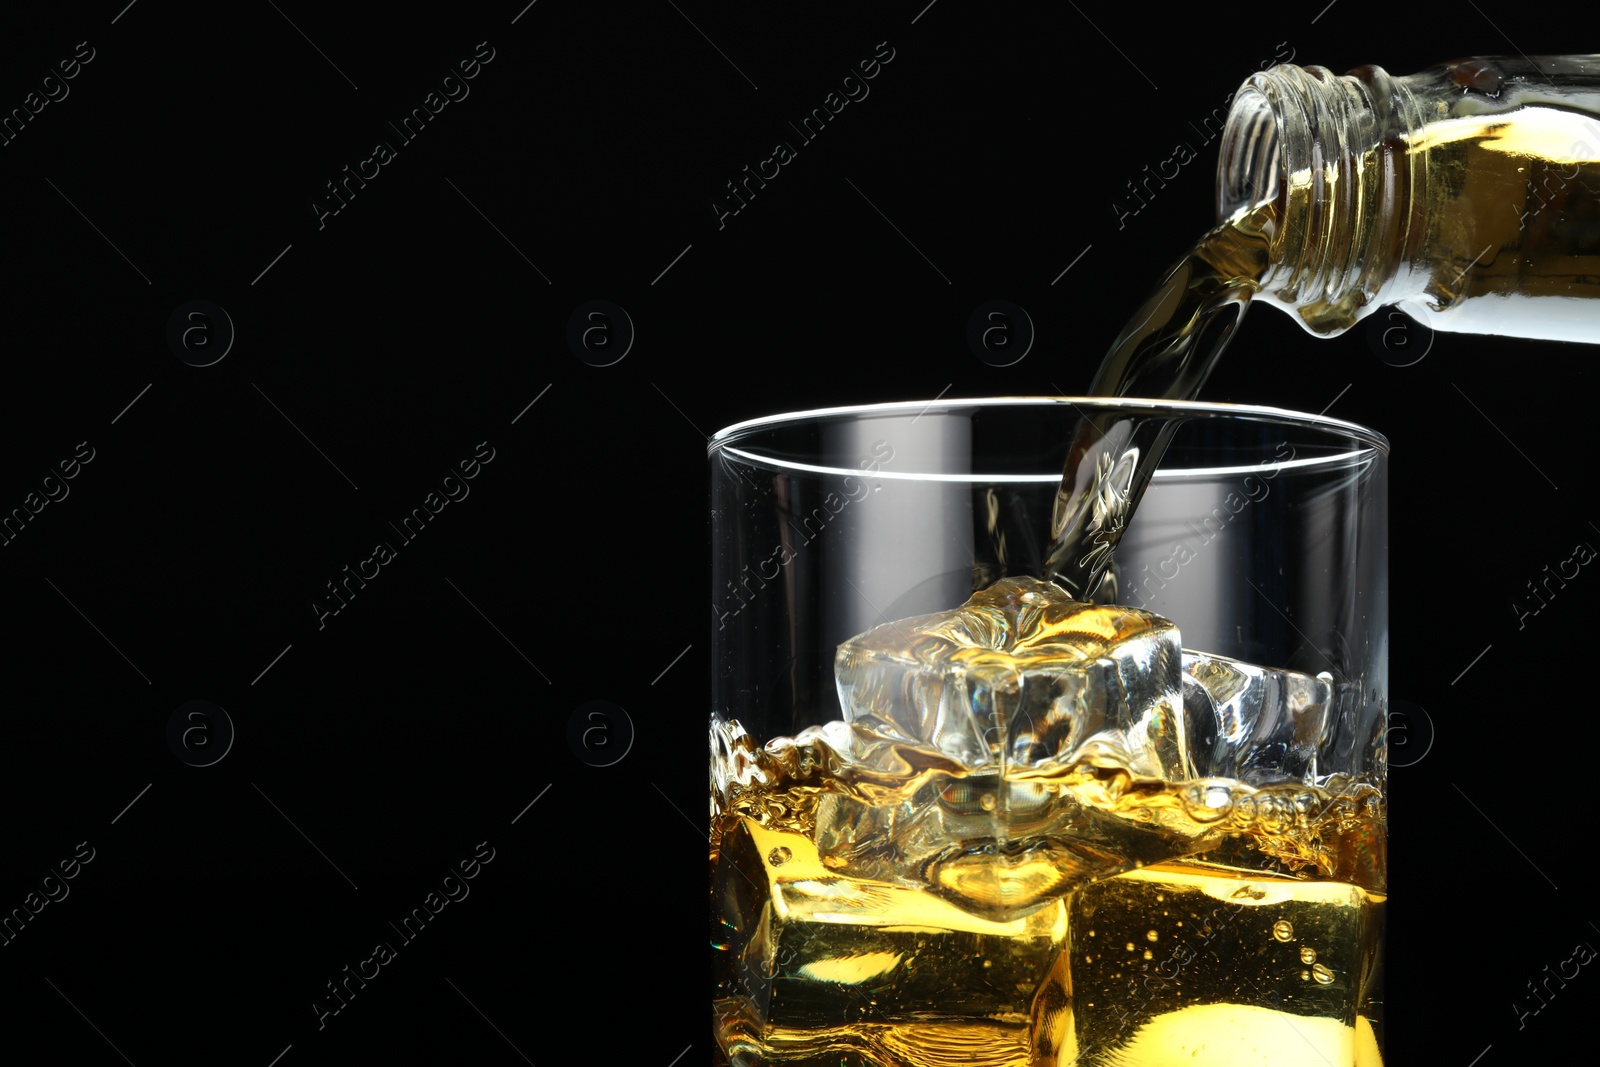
x=1330 y=152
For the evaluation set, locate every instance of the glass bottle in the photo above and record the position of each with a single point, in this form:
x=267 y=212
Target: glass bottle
x=1467 y=195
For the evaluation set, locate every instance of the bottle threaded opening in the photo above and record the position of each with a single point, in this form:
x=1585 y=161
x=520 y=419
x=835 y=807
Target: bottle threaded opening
x=1322 y=147
x=1251 y=169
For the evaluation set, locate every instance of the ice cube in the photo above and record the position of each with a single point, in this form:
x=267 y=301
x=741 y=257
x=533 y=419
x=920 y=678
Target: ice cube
x=962 y=725
x=1211 y=956
x=1019 y=676
x=1255 y=724
x=806 y=955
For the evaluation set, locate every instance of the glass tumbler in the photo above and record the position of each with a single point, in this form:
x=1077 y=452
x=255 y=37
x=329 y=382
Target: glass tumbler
x=957 y=817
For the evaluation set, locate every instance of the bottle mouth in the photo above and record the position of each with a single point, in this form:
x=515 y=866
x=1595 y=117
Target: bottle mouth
x=1327 y=152
x=1250 y=168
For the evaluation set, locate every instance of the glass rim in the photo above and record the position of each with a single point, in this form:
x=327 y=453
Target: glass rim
x=728 y=435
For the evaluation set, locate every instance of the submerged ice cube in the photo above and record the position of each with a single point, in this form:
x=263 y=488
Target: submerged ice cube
x=807 y=949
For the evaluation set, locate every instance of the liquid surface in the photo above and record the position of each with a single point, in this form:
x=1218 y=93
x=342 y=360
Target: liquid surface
x=1257 y=946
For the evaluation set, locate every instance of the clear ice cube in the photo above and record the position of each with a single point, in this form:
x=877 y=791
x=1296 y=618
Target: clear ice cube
x=998 y=750
x=968 y=719
x=1255 y=724
x=1019 y=676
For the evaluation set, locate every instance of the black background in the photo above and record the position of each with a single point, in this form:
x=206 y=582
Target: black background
x=380 y=348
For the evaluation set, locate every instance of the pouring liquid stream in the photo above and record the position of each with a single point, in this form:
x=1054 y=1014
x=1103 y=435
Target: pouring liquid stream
x=1167 y=351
